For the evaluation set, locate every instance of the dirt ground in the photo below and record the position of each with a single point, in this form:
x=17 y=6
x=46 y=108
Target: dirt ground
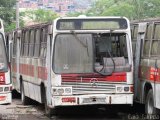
x=17 y=111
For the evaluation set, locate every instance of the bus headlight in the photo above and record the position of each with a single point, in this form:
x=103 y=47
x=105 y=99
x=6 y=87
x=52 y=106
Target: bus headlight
x=6 y=89
x=126 y=89
x=62 y=90
x=67 y=90
x=123 y=89
x=119 y=89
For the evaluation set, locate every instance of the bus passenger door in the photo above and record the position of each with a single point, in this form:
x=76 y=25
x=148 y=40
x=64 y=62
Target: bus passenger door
x=139 y=47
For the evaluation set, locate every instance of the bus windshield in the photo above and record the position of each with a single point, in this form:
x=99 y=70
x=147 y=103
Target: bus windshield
x=3 y=59
x=88 y=53
x=73 y=53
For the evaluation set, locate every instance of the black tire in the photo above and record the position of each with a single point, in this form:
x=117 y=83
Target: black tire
x=25 y=100
x=149 y=104
x=15 y=94
x=48 y=111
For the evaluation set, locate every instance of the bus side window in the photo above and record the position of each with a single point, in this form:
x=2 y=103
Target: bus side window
x=31 y=43
x=43 y=43
x=7 y=45
x=22 y=43
x=134 y=38
x=10 y=47
x=37 y=43
x=26 y=42
x=147 y=41
x=156 y=40
x=15 y=44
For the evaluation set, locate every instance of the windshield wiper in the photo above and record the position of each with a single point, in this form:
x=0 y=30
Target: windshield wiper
x=75 y=35
x=84 y=45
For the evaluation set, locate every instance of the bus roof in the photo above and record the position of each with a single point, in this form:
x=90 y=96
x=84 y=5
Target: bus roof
x=146 y=20
x=93 y=17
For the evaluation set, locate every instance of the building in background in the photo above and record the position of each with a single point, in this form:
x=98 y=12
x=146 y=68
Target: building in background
x=32 y=4
x=59 y=6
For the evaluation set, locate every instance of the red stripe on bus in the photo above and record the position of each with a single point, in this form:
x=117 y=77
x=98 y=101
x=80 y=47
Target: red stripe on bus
x=42 y=72
x=2 y=78
x=25 y=69
x=115 y=77
x=149 y=73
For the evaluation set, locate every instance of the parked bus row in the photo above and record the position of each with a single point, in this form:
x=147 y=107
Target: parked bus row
x=78 y=61
x=5 y=81
x=74 y=61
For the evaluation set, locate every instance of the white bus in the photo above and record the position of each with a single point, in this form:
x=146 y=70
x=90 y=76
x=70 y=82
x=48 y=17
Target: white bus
x=74 y=61
x=5 y=81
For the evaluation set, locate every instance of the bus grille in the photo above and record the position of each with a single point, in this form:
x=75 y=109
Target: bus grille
x=86 y=88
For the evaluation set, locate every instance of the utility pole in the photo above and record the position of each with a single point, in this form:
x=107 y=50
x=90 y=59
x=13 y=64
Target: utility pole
x=17 y=14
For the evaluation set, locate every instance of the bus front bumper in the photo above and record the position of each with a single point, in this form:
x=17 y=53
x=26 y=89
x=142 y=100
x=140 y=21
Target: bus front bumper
x=5 y=94
x=5 y=98
x=92 y=99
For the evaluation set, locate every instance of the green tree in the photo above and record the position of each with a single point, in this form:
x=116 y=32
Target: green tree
x=123 y=9
x=98 y=8
x=40 y=15
x=74 y=14
x=150 y=8
x=7 y=12
x=133 y=9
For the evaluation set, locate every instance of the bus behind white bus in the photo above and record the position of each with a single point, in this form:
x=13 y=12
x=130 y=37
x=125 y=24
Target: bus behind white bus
x=5 y=81
x=146 y=52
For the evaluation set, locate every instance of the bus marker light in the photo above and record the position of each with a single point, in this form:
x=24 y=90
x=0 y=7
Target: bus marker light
x=6 y=89
x=131 y=88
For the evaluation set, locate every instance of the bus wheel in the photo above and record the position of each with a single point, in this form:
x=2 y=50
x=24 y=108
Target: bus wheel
x=49 y=111
x=149 y=105
x=24 y=99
